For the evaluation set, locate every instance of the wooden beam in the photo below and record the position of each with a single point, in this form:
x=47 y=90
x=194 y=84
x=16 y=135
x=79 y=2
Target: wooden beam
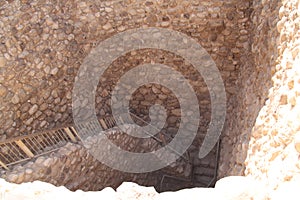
x=114 y=121
x=103 y=124
x=70 y=134
x=108 y=120
x=3 y=165
x=24 y=148
x=74 y=131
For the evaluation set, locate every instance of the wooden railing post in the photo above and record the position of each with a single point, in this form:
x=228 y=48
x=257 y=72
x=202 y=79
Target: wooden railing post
x=103 y=124
x=70 y=134
x=24 y=148
x=3 y=165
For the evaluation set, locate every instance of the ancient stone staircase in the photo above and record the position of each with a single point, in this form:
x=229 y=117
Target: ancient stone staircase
x=204 y=173
x=24 y=148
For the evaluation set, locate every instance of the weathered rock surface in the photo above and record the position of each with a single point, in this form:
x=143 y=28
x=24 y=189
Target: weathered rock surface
x=229 y=188
x=264 y=140
x=272 y=152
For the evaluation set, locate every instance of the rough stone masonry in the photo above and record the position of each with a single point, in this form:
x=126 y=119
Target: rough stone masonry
x=255 y=45
x=43 y=44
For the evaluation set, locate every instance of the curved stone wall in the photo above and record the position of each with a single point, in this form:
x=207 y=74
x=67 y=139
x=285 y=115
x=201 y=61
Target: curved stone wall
x=255 y=45
x=267 y=128
x=43 y=45
x=255 y=80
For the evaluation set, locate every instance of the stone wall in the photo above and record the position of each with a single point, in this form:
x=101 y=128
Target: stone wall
x=255 y=45
x=150 y=94
x=263 y=144
x=244 y=106
x=43 y=45
x=272 y=155
x=72 y=166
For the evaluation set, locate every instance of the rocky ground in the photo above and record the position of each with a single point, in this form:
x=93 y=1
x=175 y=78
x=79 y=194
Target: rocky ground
x=41 y=190
x=229 y=188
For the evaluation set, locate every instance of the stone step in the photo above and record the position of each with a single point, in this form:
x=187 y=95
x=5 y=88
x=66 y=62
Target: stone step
x=199 y=170
x=202 y=179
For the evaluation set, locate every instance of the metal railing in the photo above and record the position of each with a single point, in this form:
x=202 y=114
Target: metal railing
x=160 y=133
x=26 y=147
x=22 y=148
x=192 y=179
